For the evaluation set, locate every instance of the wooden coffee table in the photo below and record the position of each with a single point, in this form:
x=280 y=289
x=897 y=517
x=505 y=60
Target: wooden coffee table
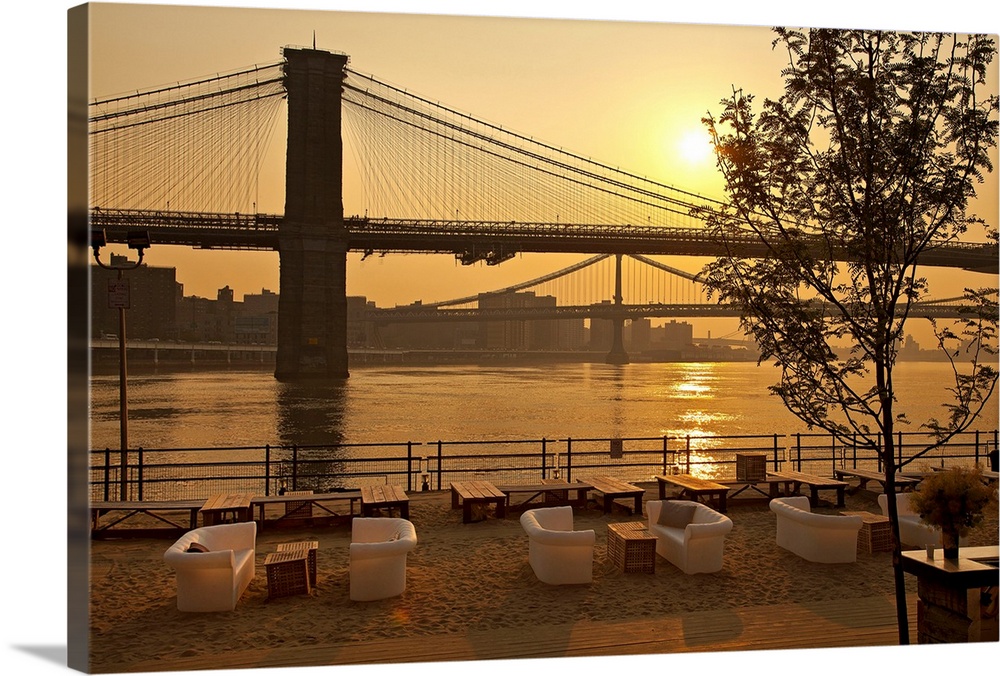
x=287 y=573
x=631 y=548
x=310 y=547
x=875 y=535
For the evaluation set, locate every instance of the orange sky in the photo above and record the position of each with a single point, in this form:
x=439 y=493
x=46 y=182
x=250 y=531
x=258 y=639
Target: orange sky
x=625 y=93
x=35 y=217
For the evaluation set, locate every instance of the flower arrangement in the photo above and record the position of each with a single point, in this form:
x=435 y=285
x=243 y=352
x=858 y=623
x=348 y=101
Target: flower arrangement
x=954 y=500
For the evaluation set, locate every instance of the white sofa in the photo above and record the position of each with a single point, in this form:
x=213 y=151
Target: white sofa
x=912 y=529
x=822 y=538
x=378 y=557
x=697 y=546
x=557 y=553
x=213 y=580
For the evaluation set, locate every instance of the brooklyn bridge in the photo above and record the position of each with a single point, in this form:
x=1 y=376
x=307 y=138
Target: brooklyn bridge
x=181 y=162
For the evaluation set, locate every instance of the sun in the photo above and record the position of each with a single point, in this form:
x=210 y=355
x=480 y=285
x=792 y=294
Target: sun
x=695 y=148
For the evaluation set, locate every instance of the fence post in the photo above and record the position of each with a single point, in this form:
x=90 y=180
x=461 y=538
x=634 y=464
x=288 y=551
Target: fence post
x=899 y=448
x=107 y=474
x=798 y=451
x=977 y=448
x=267 y=467
x=775 y=455
x=140 y=476
x=409 y=465
x=687 y=454
x=439 y=464
x=295 y=467
x=544 y=458
x=569 y=460
x=664 y=454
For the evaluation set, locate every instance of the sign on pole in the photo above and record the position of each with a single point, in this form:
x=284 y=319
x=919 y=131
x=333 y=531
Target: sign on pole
x=118 y=296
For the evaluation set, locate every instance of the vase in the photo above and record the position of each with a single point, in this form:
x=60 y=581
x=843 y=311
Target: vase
x=949 y=542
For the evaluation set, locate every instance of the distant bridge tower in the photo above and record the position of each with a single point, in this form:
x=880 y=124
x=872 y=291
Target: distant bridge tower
x=617 y=355
x=312 y=244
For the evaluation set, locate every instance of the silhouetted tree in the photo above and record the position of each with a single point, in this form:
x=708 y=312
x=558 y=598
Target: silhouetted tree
x=866 y=163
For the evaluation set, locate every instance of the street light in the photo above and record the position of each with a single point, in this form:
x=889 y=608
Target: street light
x=118 y=297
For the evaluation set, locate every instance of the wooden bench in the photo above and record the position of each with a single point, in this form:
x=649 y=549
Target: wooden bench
x=612 y=489
x=384 y=497
x=903 y=483
x=694 y=488
x=553 y=491
x=466 y=494
x=295 y=503
x=159 y=510
x=815 y=483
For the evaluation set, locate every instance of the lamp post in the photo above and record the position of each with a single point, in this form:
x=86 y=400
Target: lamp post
x=118 y=297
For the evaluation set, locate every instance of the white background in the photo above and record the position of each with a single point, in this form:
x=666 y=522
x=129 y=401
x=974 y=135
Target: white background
x=34 y=327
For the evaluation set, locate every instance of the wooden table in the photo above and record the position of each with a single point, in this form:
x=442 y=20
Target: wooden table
x=318 y=505
x=384 y=497
x=287 y=573
x=875 y=535
x=553 y=491
x=903 y=483
x=612 y=489
x=158 y=510
x=310 y=547
x=217 y=507
x=466 y=494
x=631 y=548
x=815 y=483
x=693 y=488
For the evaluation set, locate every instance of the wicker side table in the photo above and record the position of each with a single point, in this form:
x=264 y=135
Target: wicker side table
x=875 y=535
x=287 y=573
x=310 y=546
x=631 y=548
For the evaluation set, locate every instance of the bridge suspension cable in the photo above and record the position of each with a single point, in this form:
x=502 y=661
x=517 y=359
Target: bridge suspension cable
x=194 y=146
x=417 y=156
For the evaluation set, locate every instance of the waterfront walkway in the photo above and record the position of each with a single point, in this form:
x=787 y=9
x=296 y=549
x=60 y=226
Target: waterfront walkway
x=840 y=623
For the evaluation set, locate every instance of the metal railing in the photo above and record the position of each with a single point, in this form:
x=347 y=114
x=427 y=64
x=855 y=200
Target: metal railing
x=188 y=473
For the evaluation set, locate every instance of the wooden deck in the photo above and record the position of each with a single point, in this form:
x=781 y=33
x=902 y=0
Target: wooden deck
x=844 y=623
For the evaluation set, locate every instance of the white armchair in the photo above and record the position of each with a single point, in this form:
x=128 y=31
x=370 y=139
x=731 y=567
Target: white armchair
x=378 y=557
x=214 y=566
x=557 y=553
x=821 y=538
x=912 y=529
x=695 y=542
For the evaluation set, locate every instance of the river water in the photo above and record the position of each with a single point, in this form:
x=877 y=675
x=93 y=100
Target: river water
x=393 y=404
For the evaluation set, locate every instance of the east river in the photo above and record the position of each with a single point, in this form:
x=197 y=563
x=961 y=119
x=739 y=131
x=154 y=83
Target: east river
x=390 y=404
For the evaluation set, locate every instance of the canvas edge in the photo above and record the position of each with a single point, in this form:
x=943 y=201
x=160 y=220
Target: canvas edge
x=78 y=359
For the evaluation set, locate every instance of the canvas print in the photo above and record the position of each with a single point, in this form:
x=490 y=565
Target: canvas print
x=417 y=339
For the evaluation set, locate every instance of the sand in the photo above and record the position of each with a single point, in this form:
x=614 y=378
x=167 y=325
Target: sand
x=480 y=568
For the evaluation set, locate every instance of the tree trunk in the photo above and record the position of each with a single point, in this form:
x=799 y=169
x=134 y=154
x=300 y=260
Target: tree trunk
x=889 y=466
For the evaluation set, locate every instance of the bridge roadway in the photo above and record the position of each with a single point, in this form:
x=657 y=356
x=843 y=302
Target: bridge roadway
x=470 y=241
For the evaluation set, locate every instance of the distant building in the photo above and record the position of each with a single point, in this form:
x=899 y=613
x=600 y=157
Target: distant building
x=153 y=295
x=257 y=320
x=526 y=334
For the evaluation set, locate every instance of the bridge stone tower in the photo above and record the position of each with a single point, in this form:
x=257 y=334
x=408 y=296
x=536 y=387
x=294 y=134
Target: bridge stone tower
x=312 y=244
